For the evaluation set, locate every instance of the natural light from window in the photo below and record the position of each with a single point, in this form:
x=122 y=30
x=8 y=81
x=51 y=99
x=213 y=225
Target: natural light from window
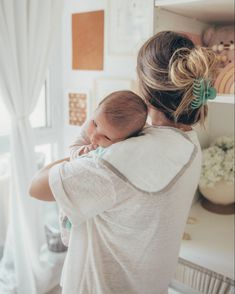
x=37 y=118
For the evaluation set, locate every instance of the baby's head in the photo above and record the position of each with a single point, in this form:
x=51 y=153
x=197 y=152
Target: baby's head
x=120 y=115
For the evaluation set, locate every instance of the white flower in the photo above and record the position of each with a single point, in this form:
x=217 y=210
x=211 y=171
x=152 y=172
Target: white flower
x=224 y=143
x=218 y=162
x=228 y=165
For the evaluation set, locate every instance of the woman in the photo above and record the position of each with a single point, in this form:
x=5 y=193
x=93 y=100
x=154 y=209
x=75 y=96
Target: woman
x=128 y=207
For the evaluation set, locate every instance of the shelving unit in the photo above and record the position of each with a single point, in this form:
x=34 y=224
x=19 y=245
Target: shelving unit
x=211 y=12
x=194 y=16
x=224 y=98
x=207 y=247
x=210 y=253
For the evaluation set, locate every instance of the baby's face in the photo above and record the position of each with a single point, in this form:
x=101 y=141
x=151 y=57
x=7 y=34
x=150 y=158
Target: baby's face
x=101 y=133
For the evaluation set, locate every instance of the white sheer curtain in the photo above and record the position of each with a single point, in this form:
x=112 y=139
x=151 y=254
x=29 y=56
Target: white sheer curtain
x=27 y=34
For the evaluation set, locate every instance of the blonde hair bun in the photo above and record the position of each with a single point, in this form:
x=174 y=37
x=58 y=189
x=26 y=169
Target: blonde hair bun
x=167 y=66
x=186 y=66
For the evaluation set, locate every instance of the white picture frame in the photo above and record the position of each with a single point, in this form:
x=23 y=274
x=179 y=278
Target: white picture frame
x=130 y=25
x=105 y=86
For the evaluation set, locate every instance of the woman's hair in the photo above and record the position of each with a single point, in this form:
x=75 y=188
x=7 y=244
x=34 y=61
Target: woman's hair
x=168 y=65
x=125 y=109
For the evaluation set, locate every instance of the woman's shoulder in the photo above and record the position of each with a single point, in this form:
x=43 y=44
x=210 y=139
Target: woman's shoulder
x=158 y=154
x=161 y=133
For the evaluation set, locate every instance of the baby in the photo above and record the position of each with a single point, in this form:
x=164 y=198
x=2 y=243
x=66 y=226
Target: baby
x=119 y=116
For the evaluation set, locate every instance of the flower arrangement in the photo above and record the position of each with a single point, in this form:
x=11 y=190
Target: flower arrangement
x=218 y=162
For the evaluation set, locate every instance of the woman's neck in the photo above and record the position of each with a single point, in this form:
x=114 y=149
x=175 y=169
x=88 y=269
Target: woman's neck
x=159 y=119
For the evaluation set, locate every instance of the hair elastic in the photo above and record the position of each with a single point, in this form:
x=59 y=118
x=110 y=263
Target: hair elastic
x=202 y=91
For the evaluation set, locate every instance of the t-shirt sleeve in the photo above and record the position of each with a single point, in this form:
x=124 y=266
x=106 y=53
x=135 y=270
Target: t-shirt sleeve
x=82 y=189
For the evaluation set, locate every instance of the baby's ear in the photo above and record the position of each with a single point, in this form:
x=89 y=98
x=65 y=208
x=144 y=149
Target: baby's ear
x=208 y=36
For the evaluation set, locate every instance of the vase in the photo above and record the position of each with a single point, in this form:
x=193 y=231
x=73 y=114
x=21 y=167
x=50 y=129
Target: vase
x=219 y=198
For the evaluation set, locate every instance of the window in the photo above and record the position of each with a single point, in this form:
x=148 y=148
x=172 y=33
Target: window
x=38 y=117
x=47 y=123
x=45 y=119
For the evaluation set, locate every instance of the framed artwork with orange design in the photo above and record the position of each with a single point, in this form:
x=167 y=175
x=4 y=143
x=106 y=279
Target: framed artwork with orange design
x=79 y=107
x=88 y=40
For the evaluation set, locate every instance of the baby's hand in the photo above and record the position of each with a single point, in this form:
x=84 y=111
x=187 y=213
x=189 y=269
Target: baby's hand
x=89 y=148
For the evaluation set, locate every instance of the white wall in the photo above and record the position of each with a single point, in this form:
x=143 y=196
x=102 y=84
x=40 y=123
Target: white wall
x=114 y=66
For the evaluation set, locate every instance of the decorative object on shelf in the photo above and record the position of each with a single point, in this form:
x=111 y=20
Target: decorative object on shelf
x=190 y=221
x=78 y=108
x=88 y=40
x=221 y=40
x=217 y=178
x=225 y=82
x=186 y=236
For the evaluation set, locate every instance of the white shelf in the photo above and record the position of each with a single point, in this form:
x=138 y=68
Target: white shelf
x=224 y=98
x=212 y=244
x=209 y=11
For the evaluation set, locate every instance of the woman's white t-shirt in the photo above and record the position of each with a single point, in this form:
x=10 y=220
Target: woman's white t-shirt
x=124 y=240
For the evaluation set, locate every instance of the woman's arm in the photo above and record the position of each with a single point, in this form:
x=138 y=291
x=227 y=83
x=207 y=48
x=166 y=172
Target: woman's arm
x=39 y=187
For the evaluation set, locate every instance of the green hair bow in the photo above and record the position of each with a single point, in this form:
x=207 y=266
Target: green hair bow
x=202 y=91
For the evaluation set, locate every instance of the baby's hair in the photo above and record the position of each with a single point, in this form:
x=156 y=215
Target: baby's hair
x=167 y=66
x=125 y=109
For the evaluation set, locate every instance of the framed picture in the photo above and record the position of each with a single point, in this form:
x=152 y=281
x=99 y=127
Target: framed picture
x=130 y=25
x=79 y=106
x=88 y=40
x=105 y=86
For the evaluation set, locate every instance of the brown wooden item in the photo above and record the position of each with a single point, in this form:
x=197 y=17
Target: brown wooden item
x=88 y=40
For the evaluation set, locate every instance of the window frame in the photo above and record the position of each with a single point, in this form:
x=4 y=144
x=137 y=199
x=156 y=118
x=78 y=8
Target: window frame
x=48 y=133
x=43 y=134
x=52 y=133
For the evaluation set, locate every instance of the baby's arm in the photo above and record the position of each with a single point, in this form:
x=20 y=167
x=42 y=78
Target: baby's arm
x=87 y=148
x=78 y=147
x=82 y=144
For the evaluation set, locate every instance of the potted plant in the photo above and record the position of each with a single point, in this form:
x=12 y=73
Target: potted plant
x=217 y=177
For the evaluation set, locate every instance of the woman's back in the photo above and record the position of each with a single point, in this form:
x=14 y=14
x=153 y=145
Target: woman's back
x=128 y=209
x=133 y=246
